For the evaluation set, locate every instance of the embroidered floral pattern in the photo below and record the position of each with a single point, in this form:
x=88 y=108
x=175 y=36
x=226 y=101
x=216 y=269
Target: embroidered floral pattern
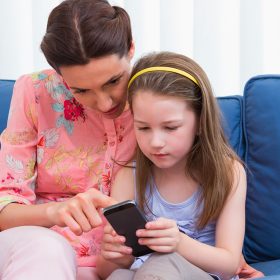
x=73 y=110
x=83 y=250
x=18 y=138
x=120 y=131
x=106 y=180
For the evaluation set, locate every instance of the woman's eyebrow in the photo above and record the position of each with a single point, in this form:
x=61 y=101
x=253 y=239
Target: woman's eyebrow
x=107 y=82
x=76 y=88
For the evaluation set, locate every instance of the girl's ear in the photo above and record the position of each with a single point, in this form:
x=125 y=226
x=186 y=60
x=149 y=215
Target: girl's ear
x=131 y=50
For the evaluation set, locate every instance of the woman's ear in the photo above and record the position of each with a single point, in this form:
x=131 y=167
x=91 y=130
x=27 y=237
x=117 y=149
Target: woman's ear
x=131 y=50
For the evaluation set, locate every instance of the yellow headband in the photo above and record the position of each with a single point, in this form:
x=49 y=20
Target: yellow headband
x=162 y=68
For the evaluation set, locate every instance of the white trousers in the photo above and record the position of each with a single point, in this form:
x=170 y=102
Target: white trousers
x=38 y=253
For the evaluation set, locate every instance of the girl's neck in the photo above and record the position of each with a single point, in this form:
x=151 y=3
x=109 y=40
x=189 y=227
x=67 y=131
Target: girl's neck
x=174 y=185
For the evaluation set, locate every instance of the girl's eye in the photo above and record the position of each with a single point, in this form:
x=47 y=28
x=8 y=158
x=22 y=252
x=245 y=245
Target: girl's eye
x=143 y=128
x=171 y=127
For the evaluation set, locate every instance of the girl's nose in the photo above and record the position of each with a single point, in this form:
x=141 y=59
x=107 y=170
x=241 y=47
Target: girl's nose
x=157 y=140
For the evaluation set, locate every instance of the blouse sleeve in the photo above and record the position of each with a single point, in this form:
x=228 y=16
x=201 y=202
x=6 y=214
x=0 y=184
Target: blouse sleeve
x=18 y=146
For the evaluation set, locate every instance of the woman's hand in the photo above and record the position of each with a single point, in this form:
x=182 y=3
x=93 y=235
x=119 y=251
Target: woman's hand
x=161 y=235
x=79 y=213
x=113 y=248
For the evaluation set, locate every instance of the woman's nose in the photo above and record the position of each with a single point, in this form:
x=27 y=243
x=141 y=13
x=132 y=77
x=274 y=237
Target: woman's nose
x=104 y=103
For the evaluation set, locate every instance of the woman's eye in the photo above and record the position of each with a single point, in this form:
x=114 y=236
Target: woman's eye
x=79 y=91
x=115 y=81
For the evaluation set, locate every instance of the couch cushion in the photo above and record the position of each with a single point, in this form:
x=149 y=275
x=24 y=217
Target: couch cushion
x=262 y=134
x=269 y=268
x=6 y=90
x=232 y=115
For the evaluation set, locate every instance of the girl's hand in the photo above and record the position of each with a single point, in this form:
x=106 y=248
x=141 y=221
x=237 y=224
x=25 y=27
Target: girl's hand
x=80 y=212
x=161 y=235
x=245 y=271
x=113 y=248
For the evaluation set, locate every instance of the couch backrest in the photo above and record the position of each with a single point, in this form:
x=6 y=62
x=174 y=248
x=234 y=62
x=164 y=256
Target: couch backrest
x=6 y=90
x=262 y=134
x=252 y=125
x=232 y=119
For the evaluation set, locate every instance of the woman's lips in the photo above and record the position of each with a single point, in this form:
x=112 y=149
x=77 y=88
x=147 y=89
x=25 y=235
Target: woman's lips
x=112 y=111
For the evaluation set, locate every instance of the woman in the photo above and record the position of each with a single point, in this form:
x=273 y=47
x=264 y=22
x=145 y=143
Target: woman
x=65 y=128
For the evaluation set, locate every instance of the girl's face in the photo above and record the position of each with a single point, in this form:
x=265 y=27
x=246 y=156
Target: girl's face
x=101 y=84
x=165 y=128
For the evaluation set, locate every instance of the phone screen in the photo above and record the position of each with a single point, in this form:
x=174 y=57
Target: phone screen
x=126 y=219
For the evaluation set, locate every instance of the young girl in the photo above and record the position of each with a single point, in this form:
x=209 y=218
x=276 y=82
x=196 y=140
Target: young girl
x=188 y=181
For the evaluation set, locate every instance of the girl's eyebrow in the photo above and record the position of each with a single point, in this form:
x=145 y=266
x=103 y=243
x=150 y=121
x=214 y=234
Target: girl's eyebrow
x=165 y=122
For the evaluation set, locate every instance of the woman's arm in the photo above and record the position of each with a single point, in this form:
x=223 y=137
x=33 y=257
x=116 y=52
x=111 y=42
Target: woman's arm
x=79 y=213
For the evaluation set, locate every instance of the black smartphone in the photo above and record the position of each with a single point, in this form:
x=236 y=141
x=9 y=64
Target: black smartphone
x=126 y=219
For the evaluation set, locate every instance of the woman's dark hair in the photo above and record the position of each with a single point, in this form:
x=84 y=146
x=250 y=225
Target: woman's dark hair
x=79 y=30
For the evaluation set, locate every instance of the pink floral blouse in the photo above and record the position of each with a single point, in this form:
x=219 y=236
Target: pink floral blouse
x=53 y=148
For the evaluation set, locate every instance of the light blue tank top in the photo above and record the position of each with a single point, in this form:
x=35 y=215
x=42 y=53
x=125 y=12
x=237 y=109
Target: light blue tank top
x=186 y=214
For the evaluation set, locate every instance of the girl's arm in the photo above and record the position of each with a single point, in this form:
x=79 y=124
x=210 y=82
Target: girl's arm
x=114 y=254
x=225 y=256
x=223 y=259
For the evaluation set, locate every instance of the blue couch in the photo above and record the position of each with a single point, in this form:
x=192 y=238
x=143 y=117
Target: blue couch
x=252 y=124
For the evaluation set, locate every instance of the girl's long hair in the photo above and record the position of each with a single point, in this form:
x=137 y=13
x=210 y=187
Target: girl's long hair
x=210 y=161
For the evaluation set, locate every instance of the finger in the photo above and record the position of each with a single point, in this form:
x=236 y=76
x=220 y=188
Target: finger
x=82 y=220
x=109 y=238
x=160 y=223
x=101 y=200
x=165 y=241
x=91 y=214
x=162 y=249
x=117 y=248
x=72 y=224
x=108 y=229
x=155 y=233
x=111 y=255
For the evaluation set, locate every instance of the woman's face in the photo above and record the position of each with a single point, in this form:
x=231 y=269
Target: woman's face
x=101 y=84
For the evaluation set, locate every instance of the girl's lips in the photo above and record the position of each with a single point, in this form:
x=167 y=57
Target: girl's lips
x=159 y=155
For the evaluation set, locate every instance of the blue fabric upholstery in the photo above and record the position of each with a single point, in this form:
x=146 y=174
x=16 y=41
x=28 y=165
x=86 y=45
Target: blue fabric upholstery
x=262 y=133
x=6 y=90
x=232 y=119
x=269 y=267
